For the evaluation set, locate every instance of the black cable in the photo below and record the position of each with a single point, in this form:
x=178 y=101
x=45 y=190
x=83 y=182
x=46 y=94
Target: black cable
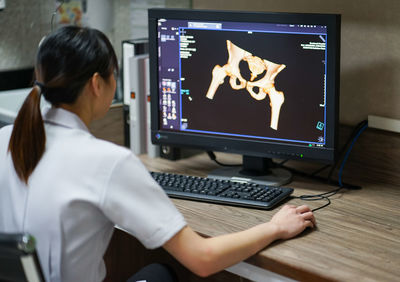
x=356 y=129
x=313 y=175
x=348 y=153
x=323 y=206
x=346 y=148
x=318 y=197
x=320 y=178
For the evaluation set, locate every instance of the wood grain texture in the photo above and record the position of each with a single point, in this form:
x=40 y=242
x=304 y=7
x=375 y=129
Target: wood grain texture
x=358 y=235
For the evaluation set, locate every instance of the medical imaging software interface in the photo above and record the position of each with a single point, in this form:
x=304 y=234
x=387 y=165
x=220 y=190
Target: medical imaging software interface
x=260 y=81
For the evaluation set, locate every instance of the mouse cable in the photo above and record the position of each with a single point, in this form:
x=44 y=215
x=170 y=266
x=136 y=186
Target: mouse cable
x=318 y=197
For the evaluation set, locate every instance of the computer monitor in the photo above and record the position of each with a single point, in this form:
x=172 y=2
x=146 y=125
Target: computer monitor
x=263 y=85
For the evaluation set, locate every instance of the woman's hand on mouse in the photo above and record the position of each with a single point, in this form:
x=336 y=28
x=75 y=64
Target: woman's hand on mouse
x=292 y=220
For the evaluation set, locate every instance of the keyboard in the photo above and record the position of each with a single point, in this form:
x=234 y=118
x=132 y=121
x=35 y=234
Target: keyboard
x=221 y=191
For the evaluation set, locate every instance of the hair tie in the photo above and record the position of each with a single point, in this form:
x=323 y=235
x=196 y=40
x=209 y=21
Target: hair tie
x=41 y=86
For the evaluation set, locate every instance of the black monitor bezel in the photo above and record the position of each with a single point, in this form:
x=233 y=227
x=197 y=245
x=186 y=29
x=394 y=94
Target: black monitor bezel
x=237 y=145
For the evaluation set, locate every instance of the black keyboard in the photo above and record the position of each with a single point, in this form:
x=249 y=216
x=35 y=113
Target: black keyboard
x=221 y=191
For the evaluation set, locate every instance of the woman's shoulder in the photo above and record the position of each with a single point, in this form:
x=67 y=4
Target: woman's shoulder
x=80 y=144
x=106 y=146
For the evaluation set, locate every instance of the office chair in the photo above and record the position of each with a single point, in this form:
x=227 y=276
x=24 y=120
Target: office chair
x=18 y=258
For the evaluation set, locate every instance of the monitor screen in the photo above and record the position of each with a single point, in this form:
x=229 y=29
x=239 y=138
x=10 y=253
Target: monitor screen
x=264 y=85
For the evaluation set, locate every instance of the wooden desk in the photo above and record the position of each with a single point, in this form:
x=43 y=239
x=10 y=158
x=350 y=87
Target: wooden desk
x=358 y=235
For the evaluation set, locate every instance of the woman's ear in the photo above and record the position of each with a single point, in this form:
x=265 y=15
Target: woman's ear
x=95 y=84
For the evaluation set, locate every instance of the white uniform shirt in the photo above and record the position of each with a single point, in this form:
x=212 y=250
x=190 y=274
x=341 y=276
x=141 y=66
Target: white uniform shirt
x=79 y=190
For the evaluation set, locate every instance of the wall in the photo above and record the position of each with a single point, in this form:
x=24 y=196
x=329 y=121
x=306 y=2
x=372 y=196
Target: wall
x=23 y=23
x=370 y=52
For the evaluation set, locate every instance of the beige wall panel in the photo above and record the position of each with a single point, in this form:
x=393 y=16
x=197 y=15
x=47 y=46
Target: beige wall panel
x=370 y=49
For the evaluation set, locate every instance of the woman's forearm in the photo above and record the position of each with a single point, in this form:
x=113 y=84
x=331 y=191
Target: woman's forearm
x=205 y=256
x=235 y=247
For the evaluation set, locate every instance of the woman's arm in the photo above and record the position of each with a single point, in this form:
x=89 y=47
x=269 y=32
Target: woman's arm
x=205 y=256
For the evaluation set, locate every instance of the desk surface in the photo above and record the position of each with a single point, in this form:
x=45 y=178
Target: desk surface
x=358 y=235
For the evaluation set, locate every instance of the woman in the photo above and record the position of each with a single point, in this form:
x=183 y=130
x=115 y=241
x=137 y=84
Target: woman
x=69 y=189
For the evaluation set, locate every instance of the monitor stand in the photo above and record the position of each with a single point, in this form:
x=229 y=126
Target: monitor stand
x=254 y=169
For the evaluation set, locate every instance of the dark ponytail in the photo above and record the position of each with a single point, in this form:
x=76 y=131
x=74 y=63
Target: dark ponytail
x=65 y=62
x=28 y=138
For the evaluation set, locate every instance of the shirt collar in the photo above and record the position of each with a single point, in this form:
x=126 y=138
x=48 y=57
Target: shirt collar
x=61 y=117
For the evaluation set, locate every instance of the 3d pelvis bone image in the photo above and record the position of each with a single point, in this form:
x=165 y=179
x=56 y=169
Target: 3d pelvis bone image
x=257 y=66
